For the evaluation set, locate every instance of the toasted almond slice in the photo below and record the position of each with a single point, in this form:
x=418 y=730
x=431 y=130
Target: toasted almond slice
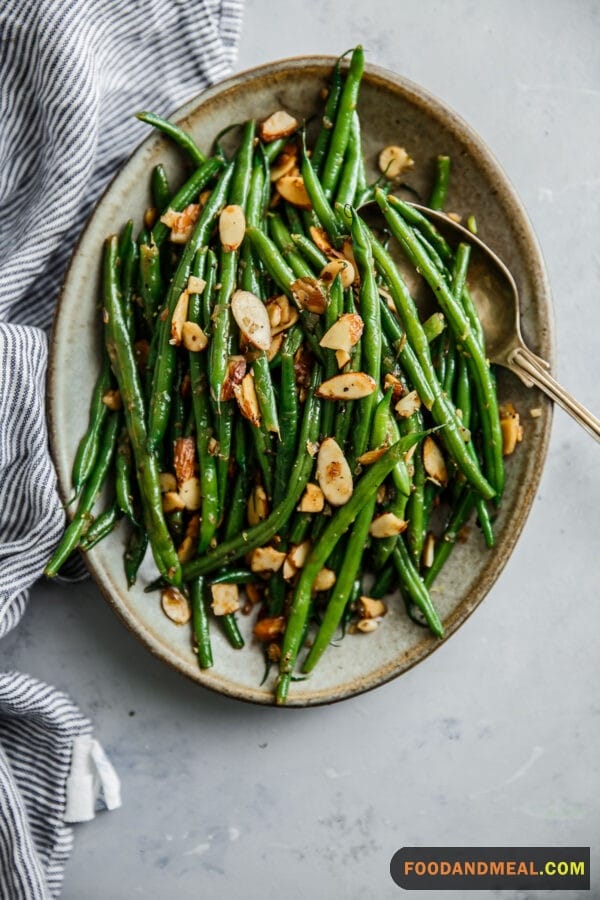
x=291 y=320
x=371 y=456
x=391 y=383
x=285 y=162
x=180 y=314
x=266 y=559
x=454 y=217
x=252 y=318
x=232 y=227
x=386 y=525
x=236 y=369
x=187 y=548
x=342 y=357
x=325 y=580
x=292 y=189
x=512 y=431
x=195 y=285
x=370 y=608
x=184 y=458
x=434 y=462
x=333 y=473
x=182 y=224
x=279 y=124
x=309 y=294
x=275 y=347
x=274 y=312
x=269 y=629
x=245 y=394
x=344 y=333
x=150 y=216
x=112 y=399
x=366 y=626
x=312 y=500
x=535 y=412
x=408 y=405
x=320 y=239
x=341 y=267
x=295 y=559
x=172 y=502
x=428 y=554
x=257 y=508
x=348 y=254
x=175 y=606
x=394 y=160
x=191 y=493
x=347 y=386
x=193 y=337
x=312 y=449
x=167 y=482
x=225 y=599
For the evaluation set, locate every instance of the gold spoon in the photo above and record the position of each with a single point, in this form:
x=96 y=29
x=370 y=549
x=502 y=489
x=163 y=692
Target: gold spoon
x=497 y=299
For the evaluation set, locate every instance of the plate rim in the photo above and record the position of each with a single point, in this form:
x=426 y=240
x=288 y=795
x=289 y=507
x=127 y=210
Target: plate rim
x=416 y=95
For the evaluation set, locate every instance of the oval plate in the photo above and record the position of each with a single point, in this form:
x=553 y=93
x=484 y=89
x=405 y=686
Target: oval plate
x=393 y=111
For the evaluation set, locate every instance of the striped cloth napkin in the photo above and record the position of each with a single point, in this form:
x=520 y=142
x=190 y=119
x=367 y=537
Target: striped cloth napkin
x=72 y=73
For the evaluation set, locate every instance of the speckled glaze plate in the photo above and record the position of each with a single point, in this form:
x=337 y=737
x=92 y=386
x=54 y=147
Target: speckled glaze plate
x=392 y=110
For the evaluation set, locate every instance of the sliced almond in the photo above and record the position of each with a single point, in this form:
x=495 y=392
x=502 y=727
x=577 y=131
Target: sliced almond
x=512 y=431
x=347 y=386
x=269 y=629
x=275 y=347
x=312 y=500
x=341 y=267
x=371 y=608
x=184 y=458
x=535 y=412
x=252 y=318
x=371 y=456
x=366 y=626
x=285 y=162
x=266 y=559
x=193 y=337
x=391 y=383
x=394 y=160
x=195 y=285
x=325 y=580
x=428 y=554
x=344 y=333
x=292 y=189
x=348 y=254
x=279 y=124
x=321 y=240
x=342 y=357
x=175 y=606
x=150 y=216
x=408 y=405
x=167 y=482
x=172 y=502
x=232 y=227
x=295 y=559
x=182 y=223
x=191 y=493
x=333 y=473
x=179 y=317
x=309 y=294
x=274 y=652
x=245 y=394
x=282 y=315
x=236 y=369
x=257 y=507
x=112 y=400
x=434 y=462
x=225 y=599
x=187 y=549
x=386 y=525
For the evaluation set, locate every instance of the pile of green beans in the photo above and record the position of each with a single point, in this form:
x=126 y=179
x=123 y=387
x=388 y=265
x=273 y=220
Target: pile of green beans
x=213 y=452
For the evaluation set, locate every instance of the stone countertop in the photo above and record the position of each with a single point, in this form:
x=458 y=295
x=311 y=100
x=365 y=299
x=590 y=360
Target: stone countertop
x=494 y=739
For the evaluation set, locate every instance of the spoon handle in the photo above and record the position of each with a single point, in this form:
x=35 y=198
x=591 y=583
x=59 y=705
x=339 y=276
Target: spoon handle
x=532 y=370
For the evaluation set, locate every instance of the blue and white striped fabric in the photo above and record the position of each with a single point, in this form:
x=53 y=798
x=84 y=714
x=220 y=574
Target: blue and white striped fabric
x=72 y=73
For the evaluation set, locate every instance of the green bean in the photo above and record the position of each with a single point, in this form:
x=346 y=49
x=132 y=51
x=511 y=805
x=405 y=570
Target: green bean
x=123 y=473
x=288 y=399
x=440 y=185
x=235 y=575
x=187 y=193
x=159 y=185
x=101 y=527
x=232 y=632
x=415 y=532
x=200 y=622
x=135 y=552
x=444 y=548
x=345 y=515
x=151 y=283
x=384 y=582
x=428 y=230
x=120 y=351
x=416 y=588
x=265 y=394
x=434 y=326
x=177 y=134
x=477 y=363
x=343 y=123
x=273 y=149
x=329 y=113
x=81 y=519
x=259 y=534
x=160 y=401
x=349 y=179
x=87 y=451
x=318 y=198
x=283 y=241
x=311 y=253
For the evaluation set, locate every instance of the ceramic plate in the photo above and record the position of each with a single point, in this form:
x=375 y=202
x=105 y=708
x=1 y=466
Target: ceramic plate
x=392 y=110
